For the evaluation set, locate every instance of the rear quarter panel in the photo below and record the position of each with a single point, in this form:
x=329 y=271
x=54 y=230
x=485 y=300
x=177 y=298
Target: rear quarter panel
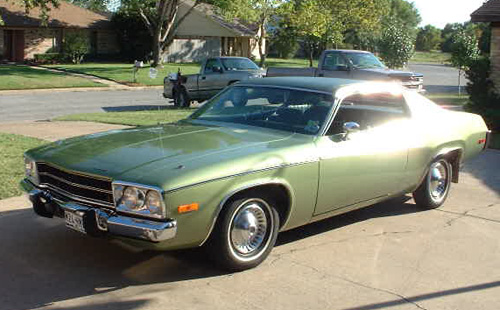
x=436 y=132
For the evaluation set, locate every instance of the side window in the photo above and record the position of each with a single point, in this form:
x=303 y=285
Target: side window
x=211 y=64
x=334 y=61
x=369 y=111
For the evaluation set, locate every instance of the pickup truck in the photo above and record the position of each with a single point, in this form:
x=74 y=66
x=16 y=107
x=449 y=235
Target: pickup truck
x=354 y=65
x=215 y=74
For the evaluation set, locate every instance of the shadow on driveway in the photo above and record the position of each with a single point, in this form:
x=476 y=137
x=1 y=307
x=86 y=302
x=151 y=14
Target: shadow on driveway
x=43 y=262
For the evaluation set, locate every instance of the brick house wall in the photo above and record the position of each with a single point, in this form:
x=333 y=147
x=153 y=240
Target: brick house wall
x=495 y=54
x=40 y=41
x=1 y=44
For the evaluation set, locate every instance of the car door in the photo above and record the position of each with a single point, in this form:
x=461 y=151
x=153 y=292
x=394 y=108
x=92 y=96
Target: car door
x=367 y=164
x=211 y=78
x=335 y=65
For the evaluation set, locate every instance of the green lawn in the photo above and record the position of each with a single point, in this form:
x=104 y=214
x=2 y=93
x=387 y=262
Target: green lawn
x=140 y=118
x=295 y=62
x=23 y=77
x=124 y=73
x=448 y=99
x=435 y=57
x=11 y=162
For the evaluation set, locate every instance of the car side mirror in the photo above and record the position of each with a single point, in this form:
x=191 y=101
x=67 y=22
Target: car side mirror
x=350 y=128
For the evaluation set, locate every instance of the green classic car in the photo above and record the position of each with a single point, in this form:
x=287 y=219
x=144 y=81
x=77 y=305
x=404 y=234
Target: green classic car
x=262 y=156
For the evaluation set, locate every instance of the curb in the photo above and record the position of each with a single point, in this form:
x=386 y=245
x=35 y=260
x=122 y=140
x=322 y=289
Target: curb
x=76 y=89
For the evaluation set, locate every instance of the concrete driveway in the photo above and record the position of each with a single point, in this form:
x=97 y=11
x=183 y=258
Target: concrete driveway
x=388 y=256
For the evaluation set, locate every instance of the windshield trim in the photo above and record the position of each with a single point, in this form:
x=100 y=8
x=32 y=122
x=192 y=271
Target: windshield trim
x=320 y=132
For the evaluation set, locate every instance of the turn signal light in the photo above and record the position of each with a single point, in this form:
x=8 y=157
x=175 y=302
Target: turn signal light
x=188 y=208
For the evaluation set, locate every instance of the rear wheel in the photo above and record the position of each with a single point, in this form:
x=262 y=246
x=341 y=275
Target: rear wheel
x=181 y=99
x=435 y=187
x=245 y=233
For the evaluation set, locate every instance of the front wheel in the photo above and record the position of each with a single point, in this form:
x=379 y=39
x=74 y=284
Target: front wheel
x=245 y=233
x=435 y=187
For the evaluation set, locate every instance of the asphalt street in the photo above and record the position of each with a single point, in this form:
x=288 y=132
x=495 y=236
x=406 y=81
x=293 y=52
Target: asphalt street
x=45 y=105
x=387 y=256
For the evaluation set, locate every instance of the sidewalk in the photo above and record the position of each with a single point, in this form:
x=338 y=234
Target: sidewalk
x=53 y=131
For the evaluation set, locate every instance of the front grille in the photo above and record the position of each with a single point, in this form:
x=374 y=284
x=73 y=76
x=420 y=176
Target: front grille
x=76 y=186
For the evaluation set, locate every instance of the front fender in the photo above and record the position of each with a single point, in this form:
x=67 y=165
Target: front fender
x=194 y=228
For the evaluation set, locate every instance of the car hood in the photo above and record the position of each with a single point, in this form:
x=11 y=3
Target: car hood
x=116 y=153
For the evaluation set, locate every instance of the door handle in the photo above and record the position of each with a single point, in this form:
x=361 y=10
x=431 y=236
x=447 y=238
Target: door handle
x=203 y=77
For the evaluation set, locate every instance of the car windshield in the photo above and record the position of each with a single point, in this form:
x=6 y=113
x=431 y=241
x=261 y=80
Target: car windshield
x=238 y=64
x=364 y=60
x=269 y=107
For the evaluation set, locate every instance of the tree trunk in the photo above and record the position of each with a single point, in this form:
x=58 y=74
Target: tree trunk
x=311 y=55
x=262 y=49
x=157 y=50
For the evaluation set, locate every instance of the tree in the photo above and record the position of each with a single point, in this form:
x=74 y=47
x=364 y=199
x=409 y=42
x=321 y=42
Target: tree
x=396 y=45
x=428 y=38
x=404 y=13
x=162 y=20
x=464 y=52
x=75 y=46
x=256 y=12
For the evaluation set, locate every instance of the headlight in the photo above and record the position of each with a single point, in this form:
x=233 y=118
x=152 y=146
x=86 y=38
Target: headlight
x=30 y=169
x=139 y=200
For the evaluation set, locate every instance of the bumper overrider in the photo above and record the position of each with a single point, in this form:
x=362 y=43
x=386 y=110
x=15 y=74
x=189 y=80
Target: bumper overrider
x=98 y=222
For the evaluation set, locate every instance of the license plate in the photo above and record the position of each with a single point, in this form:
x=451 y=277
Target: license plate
x=74 y=221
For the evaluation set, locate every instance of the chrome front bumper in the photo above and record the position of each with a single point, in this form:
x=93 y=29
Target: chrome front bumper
x=99 y=222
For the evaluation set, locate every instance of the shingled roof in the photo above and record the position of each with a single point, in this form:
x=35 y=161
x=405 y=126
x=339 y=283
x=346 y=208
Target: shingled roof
x=488 y=12
x=66 y=15
x=236 y=26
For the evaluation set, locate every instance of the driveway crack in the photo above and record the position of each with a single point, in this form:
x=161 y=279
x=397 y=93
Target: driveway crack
x=324 y=274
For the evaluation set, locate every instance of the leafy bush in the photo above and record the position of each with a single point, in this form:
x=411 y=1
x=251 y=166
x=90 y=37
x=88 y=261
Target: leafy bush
x=49 y=58
x=396 y=46
x=464 y=50
x=484 y=100
x=75 y=46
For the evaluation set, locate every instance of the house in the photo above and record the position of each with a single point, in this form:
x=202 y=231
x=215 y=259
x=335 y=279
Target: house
x=489 y=12
x=22 y=35
x=206 y=34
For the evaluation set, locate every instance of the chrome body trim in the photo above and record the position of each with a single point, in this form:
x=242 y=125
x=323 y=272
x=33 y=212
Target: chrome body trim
x=141 y=186
x=75 y=184
x=113 y=223
x=175 y=189
x=88 y=175
x=77 y=198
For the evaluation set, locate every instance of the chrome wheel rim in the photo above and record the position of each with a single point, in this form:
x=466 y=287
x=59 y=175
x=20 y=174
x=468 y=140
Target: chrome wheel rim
x=438 y=180
x=249 y=228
